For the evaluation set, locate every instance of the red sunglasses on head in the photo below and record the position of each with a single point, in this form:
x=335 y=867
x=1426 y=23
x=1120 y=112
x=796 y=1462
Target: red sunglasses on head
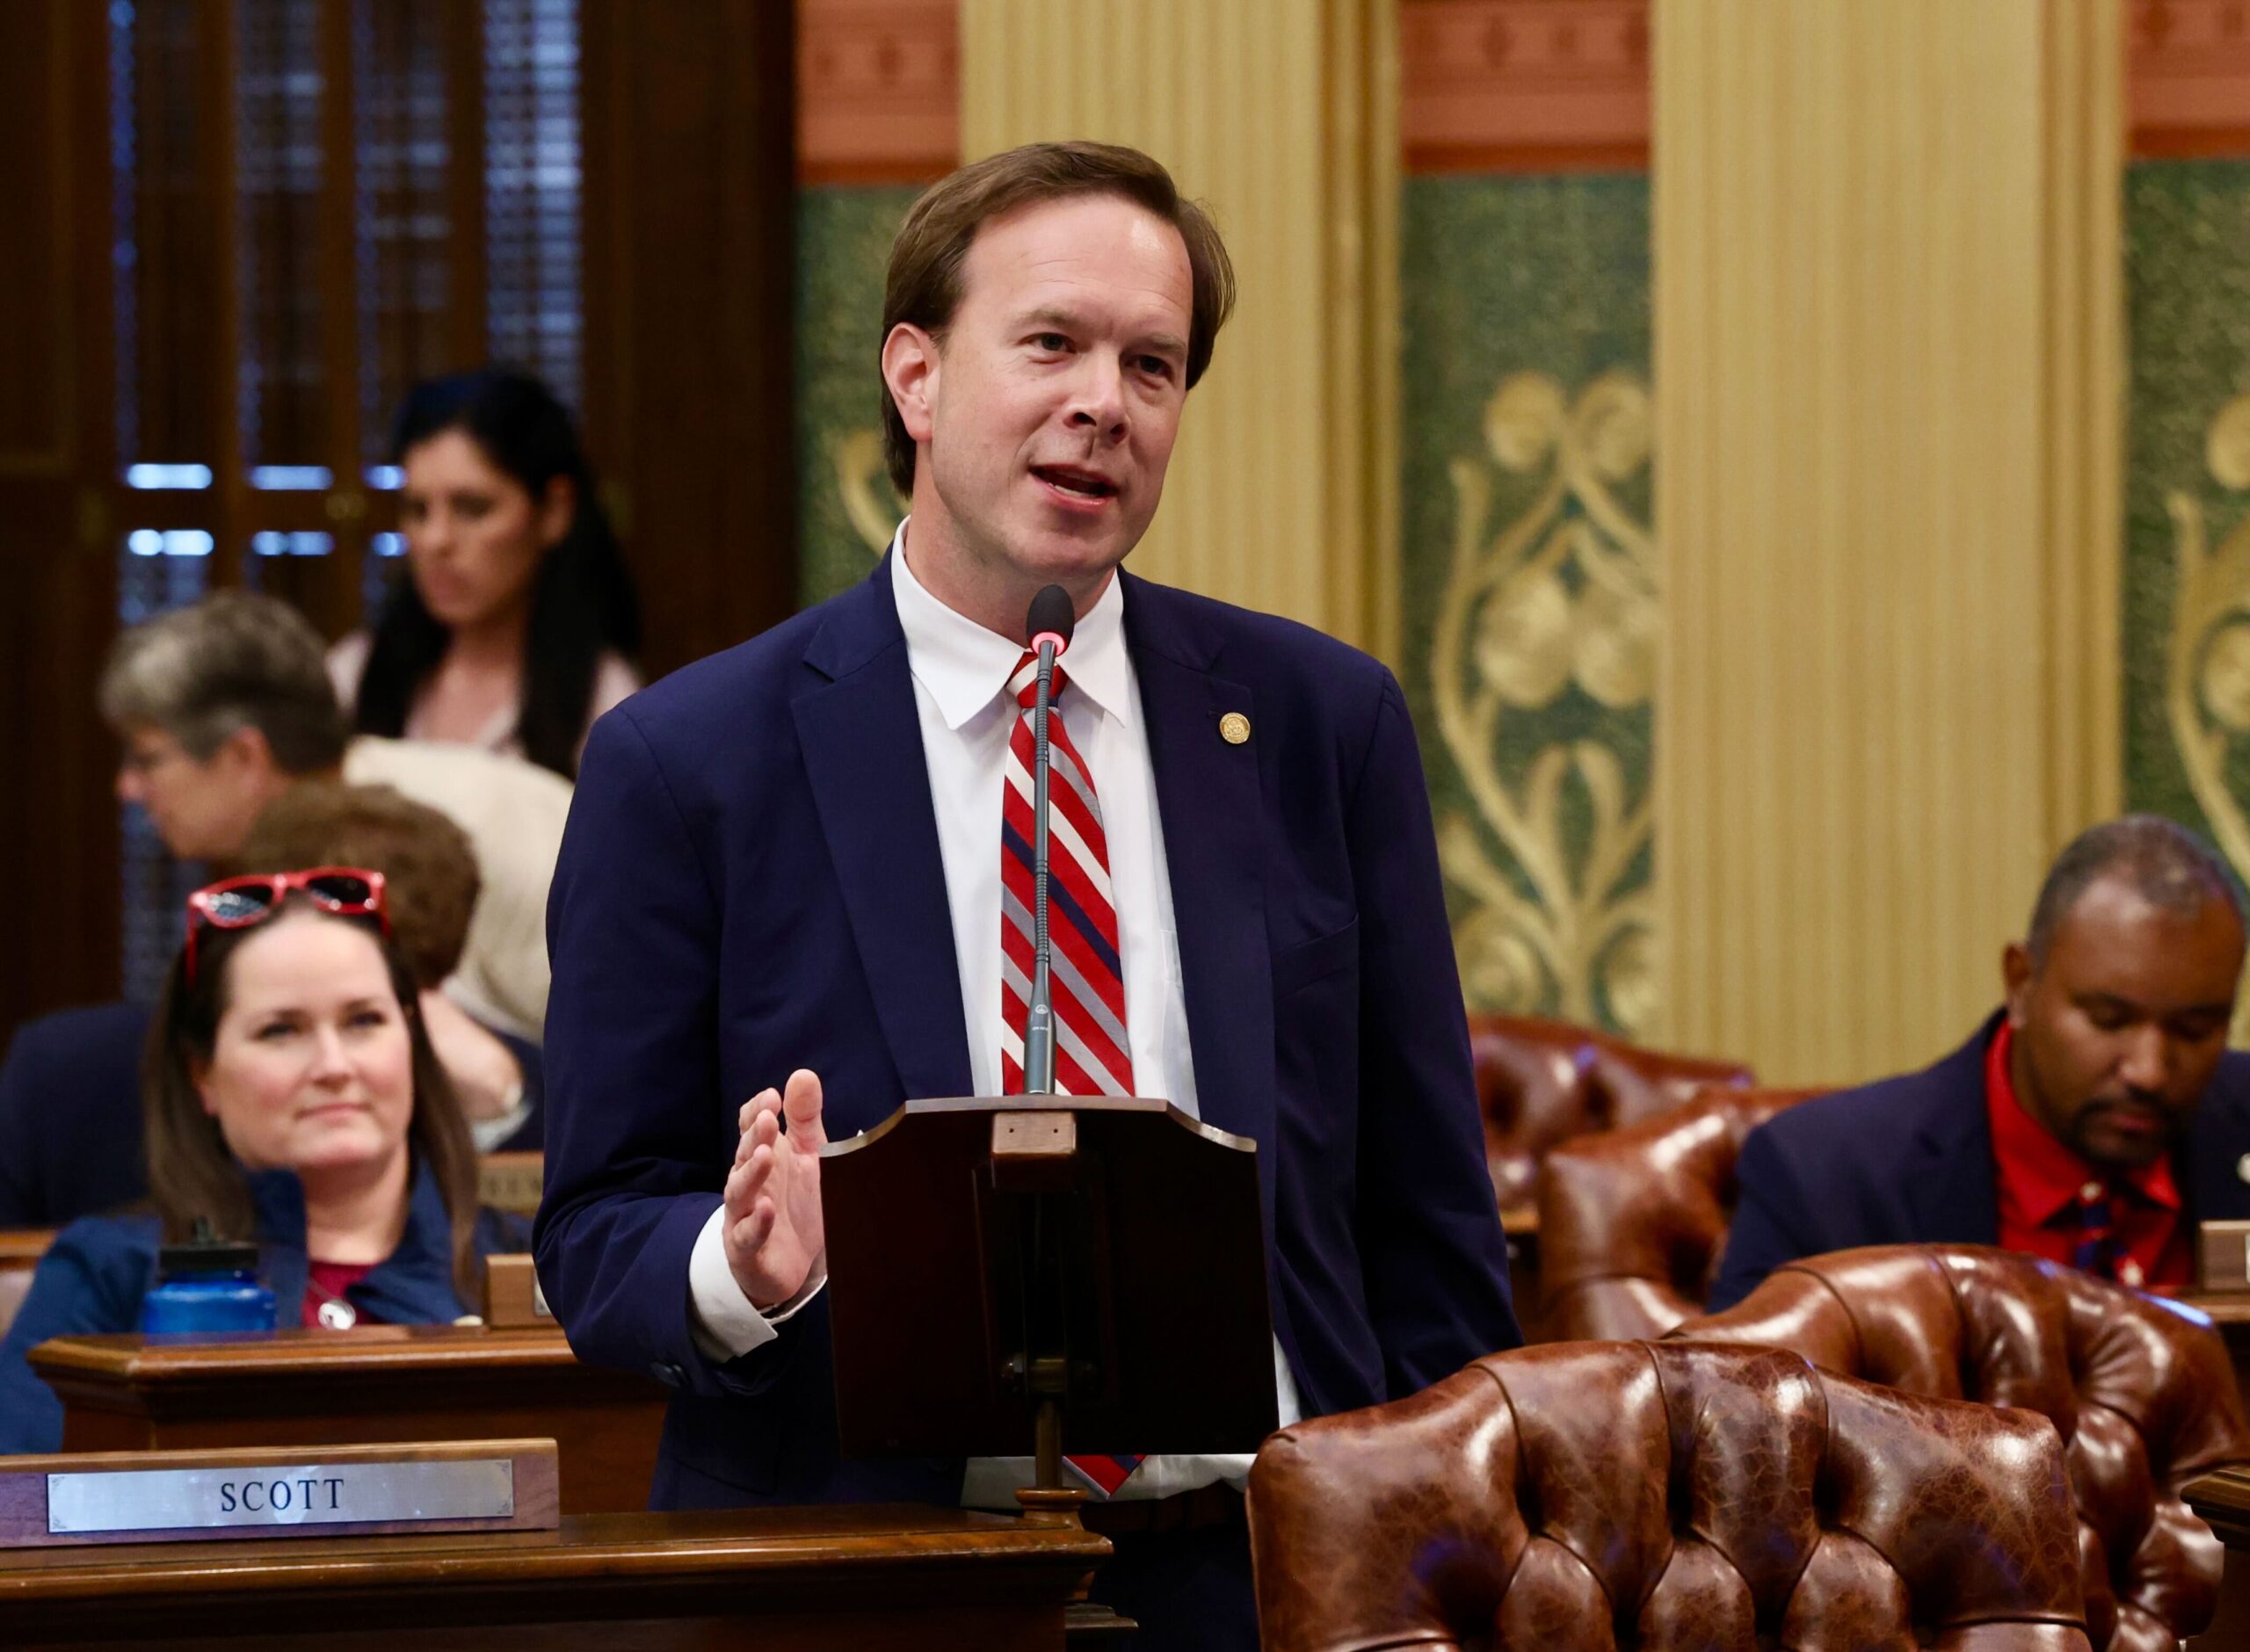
x=234 y=903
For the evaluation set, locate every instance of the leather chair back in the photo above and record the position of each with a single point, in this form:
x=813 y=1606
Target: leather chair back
x=1627 y=1495
x=2141 y=1392
x=1541 y=1081
x=1631 y=1222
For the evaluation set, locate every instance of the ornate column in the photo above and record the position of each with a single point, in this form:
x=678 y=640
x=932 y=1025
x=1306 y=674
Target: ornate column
x=1888 y=371
x=1280 y=116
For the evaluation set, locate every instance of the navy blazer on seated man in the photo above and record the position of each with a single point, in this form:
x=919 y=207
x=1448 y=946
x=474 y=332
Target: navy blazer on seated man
x=1909 y=1161
x=731 y=905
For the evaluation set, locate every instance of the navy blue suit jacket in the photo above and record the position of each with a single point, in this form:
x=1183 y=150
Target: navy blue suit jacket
x=1909 y=1161
x=70 y=1120
x=750 y=882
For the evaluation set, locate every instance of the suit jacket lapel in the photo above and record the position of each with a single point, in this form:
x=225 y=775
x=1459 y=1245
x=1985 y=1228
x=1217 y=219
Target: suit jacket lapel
x=1954 y=1198
x=2214 y=1170
x=862 y=744
x=1209 y=801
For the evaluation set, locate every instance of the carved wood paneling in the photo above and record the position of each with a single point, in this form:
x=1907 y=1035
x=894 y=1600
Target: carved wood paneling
x=1524 y=85
x=58 y=836
x=691 y=259
x=1487 y=85
x=1874 y=464
x=36 y=311
x=878 y=91
x=2188 y=86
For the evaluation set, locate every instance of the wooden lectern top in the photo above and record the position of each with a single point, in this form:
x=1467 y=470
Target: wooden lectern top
x=1115 y=1226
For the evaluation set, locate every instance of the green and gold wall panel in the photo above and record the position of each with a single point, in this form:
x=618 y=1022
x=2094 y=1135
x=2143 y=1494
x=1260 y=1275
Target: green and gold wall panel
x=1530 y=602
x=2186 y=609
x=846 y=506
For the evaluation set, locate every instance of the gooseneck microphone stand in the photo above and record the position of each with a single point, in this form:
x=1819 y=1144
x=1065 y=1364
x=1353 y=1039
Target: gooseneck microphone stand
x=1049 y=627
x=1046 y=1373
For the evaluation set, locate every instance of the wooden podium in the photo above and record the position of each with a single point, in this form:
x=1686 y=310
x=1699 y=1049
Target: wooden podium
x=870 y=1578
x=1059 y=1273
x=373 y=1385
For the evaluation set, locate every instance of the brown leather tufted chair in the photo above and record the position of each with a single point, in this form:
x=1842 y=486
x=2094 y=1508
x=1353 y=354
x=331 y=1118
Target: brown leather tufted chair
x=2141 y=1392
x=1542 y=1081
x=1631 y=1221
x=1663 y=1495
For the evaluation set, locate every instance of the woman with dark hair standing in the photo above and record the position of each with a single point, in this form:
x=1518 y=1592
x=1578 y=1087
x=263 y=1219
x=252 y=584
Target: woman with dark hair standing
x=292 y=1098
x=515 y=625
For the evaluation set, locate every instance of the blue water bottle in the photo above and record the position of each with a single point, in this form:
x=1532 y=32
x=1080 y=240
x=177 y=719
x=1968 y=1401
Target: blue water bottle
x=210 y=1283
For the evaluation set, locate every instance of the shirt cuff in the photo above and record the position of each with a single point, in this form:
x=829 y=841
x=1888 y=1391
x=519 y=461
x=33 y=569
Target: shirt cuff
x=722 y=1319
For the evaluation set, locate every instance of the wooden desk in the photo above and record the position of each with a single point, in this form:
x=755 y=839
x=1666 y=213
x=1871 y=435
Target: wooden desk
x=374 y=1385
x=874 y=1579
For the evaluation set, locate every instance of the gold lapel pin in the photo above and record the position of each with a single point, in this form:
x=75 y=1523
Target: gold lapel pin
x=1234 y=728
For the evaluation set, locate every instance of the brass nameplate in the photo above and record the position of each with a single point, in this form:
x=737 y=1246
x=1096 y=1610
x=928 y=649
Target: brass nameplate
x=277 y=1491
x=1034 y=1136
x=308 y=1494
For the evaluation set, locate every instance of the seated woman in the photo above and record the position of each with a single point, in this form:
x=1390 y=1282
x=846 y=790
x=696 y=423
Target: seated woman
x=70 y=1107
x=432 y=890
x=514 y=623
x=292 y=1096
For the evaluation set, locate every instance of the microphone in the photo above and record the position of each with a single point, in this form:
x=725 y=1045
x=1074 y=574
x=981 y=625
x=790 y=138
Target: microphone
x=1047 y=627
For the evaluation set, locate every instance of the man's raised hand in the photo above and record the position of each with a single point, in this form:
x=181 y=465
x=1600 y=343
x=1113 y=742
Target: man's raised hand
x=773 y=1225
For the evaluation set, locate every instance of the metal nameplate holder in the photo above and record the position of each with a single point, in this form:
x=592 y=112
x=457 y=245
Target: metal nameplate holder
x=2222 y=1257
x=200 y=1497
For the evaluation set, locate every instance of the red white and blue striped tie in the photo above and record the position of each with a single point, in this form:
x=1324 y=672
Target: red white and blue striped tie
x=1092 y=1056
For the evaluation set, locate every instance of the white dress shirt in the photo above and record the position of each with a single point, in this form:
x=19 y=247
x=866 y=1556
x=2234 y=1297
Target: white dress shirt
x=961 y=672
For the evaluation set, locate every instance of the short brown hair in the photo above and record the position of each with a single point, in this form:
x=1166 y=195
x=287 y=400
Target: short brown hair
x=428 y=866
x=924 y=287
x=237 y=660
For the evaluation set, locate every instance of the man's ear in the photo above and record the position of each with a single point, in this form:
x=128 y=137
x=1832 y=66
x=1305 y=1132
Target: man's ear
x=556 y=508
x=911 y=359
x=2016 y=977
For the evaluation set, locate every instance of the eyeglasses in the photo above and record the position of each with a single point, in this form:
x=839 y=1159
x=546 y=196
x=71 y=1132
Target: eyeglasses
x=234 y=903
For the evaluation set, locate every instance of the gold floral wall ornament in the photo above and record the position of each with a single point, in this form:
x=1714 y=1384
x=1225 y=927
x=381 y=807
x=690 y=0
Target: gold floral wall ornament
x=2207 y=669
x=1562 y=597
x=871 y=503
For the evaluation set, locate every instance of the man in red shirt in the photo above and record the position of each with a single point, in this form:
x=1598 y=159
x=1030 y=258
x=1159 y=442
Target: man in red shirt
x=2092 y=1121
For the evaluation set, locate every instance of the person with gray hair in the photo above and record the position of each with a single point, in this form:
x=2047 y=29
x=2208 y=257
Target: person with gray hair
x=236 y=745
x=2095 y=1119
x=223 y=706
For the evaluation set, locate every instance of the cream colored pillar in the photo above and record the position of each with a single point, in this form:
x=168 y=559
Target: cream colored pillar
x=1888 y=371
x=1281 y=117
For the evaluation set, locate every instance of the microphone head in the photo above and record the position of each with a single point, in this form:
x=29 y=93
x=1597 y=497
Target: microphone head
x=1052 y=615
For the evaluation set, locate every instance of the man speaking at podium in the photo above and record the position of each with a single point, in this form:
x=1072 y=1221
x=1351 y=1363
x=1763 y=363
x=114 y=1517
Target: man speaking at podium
x=794 y=872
